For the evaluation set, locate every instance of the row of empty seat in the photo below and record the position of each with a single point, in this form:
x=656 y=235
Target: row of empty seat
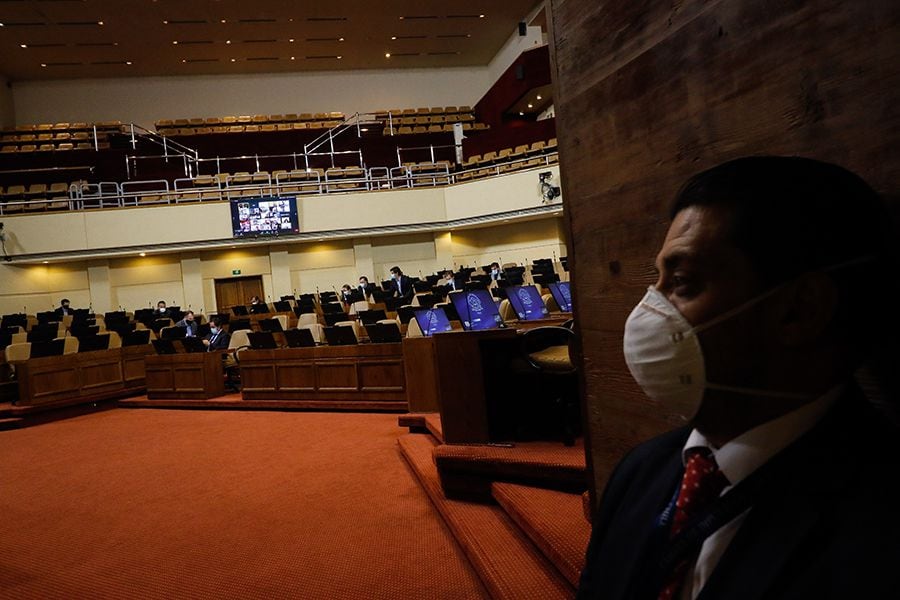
x=248 y=120
x=60 y=147
x=65 y=126
x=269 y=127
x=421 y=111
x=506 y=160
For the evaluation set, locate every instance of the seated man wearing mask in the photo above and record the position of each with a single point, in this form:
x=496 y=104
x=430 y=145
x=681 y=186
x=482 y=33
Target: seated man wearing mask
x=189 y=324
x=774 y=287
x=217 y=340
x=365 y=287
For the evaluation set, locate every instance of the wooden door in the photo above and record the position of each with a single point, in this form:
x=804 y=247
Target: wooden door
x=237 y=291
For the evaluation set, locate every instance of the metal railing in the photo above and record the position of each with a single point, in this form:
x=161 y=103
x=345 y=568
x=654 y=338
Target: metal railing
x=223 y=187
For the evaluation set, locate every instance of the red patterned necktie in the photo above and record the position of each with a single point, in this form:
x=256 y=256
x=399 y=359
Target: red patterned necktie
x=702 y=483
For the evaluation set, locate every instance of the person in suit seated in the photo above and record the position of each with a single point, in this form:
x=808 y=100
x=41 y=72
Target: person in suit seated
x=254 y=300
x=161 y=311
x=217 y=340
x=365 y=287
x=783 y=483
x=63 y=309
x=449 y=282
x=346 y=290
x=496 y=273
x=189 y=324
x=403 y=285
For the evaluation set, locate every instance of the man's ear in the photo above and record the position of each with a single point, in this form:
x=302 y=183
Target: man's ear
x=809 y=309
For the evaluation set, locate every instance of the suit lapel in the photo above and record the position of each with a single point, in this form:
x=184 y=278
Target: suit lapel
x=812 y=473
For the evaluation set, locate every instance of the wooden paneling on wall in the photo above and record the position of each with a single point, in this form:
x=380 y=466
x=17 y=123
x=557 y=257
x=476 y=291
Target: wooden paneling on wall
x=650 y=92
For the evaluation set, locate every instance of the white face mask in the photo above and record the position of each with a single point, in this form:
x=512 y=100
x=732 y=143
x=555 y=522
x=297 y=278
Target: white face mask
x=666 y=359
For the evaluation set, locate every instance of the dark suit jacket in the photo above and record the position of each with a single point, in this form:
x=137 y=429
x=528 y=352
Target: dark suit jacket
x=407 y=287
x=220 y=342
x=191 y=325
x=825 y=526
x=368 y=291
x=59 y=311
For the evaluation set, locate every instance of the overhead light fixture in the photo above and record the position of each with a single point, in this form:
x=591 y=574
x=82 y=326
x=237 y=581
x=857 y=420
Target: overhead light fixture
x=293 y=58
x=99 y=22
x=530 y=105
x=393 y=37
x=175 y=42
x=227 y=41
x=184 y=60
x=386 y=54
x=23 y=45
x=233 y=60
x=340 y=39
x=339 y=57
x=143 y=254
x=127 y=62
x=165 y=22
x=538 y=96
x=291 y=40
x=223 y=21
x=521 y=114
x=480 y=16
x=46 y=262
x=43 y=64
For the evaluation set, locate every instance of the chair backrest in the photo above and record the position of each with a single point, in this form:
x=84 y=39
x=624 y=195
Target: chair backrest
x=413 y=330
x=307 y=319
x=115 y=340
x=283 y=320
x=507 y=312
x=18 y=352
x=19 y=338
x=317 y=330
x=70 y=344
x=550 y=303
x=239 y=338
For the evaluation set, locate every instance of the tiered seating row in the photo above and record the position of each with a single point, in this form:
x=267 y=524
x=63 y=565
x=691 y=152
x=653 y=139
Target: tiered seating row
x=47 y=137
x=36 y=197
x=249 y=123
x=507 y=160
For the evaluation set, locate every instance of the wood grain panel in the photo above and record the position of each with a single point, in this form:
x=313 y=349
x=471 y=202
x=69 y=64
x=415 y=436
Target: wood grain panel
x=650 y=92
x=295 y=376
x=334 y=376
x=381 y=376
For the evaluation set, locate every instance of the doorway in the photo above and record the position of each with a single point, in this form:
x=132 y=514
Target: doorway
x=236 y=291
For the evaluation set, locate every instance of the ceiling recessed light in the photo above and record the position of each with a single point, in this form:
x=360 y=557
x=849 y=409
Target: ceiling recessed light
x=165 y=22
x=184 y=60
x=393 y=37
x=233 y=60
x=291 y=40
x=223 y=21
x=127 y=62
x=339 y=57
x=530 y=105
x=46 y=261
x=480 y=16
x=143 y=254
x=386 y=54
x=521 y=114
x=2 y=25
x=293 y=58
x=23 y=45
x=43 y=64
x=340 y=39
x=99 y=22
x=538 y=96
x=401 y=18
x=227 y=41
x=175 y=42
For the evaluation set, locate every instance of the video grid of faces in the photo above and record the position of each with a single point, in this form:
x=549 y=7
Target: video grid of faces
x=264 y=217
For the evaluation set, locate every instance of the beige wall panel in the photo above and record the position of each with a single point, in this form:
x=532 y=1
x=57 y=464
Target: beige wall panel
x=519 y=242
x=44 y=233
x=496 y=194
x=149 y=226
x=321 y=255
x=141 y=270
x=371 y=209
x=311 y=280
x=250 y=261
x=131 y=297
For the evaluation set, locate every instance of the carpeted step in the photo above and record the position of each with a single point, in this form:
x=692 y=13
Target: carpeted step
x=553 y=520
x=467 y=471
x=433 y=424
x=509 y=565
x=11 y=423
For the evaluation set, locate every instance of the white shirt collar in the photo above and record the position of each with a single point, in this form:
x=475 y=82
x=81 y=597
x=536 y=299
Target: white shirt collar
x=747 y=452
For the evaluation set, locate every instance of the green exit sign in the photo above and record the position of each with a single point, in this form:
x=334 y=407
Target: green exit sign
x=235 y=271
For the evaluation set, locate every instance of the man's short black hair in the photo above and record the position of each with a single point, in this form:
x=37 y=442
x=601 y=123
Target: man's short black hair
x=160 y=302
x=364 y=277
x=215 y=320
x=793 y=215
x=495 y=264
x=396 y=270
x=64 y=301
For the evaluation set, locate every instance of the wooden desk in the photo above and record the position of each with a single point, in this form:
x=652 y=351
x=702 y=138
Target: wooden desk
x=81 y=377
x=187 y=376
x=363 y=376
x=448 y=372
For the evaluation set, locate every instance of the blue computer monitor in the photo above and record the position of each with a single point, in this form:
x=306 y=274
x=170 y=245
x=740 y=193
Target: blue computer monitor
x=476 y=310
x=432 y=320
x=527 y=302
x=563 y=295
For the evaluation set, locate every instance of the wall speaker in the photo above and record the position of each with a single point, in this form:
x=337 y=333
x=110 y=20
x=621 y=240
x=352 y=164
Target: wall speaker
x=523 y=28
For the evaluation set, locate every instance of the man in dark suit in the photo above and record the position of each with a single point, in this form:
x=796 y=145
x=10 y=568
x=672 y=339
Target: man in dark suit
x=496 y=273
x=365 y=287
x=63 y=309
x=450 y=282
x=161 y=311
x=402 y=285
x=189 y=324
x=784 y=482
x=217 y=340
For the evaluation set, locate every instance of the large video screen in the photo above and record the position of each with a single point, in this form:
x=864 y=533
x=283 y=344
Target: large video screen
x=476 y=310
x=264 y=216
x=527 y=302
x=563 y=295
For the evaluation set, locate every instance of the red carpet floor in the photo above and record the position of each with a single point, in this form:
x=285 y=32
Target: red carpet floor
x=220 y=504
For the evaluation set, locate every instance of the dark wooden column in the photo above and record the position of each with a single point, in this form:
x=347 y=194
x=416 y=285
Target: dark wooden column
x=649 y=92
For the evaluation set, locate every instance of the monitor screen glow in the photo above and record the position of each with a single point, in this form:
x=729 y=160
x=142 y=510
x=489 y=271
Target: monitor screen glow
x=477 y=310
x=563 y=295
x=432 y=320
x=252 y=217
x=527 y=302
